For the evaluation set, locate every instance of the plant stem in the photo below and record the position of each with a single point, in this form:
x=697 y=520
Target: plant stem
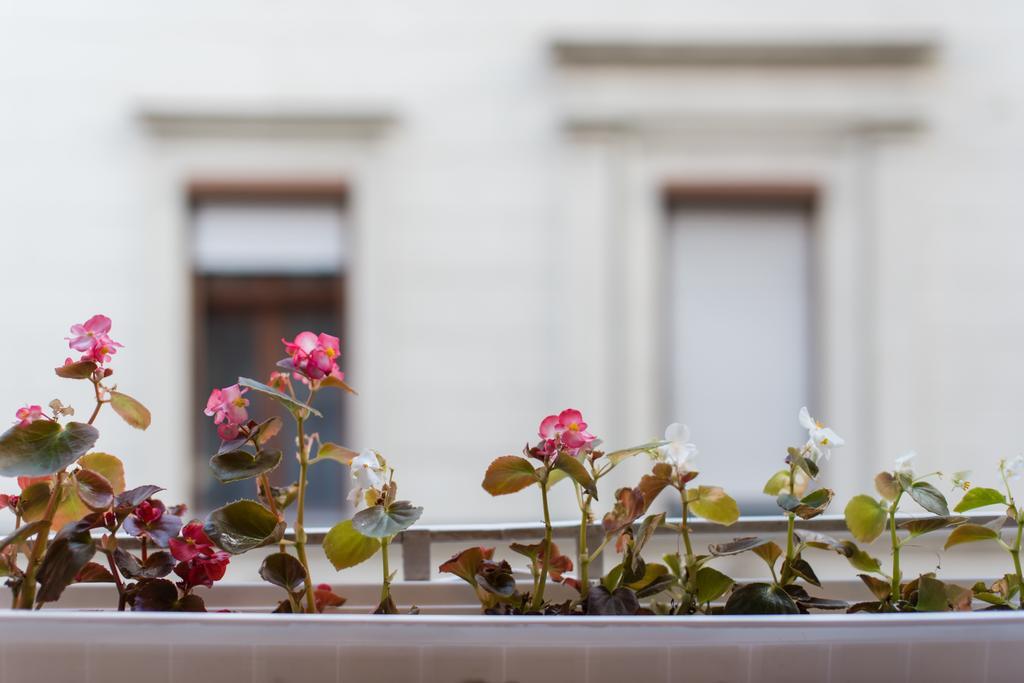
x=684 y=526
x=300 y=529
x=790 y=517
x=385 y=587
x=582 y=551
x=99 y=402
x=894 y=589
x=27 y=593
x=117 y=580
x=1015 y=554
x=538 y=597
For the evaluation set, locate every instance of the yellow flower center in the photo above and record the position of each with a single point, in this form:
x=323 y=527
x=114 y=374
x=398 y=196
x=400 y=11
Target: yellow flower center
x=573 y=427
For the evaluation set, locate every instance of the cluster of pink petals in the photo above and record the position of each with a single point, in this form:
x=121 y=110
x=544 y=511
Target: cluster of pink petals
x=227 y=408
x=93 y=340
x=314 y=356
x=9 y=501
x=566 y=430
x=192 y=541
x=199 y=563
x=28 y=414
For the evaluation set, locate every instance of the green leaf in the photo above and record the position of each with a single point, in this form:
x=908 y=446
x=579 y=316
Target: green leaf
x=43 y=447
x=130 y=410
x=335 y=382
x=865 y=518
x=880 y=589
x=711 y=585
x=93 y=489
x=33 y=501
x=930 y=498
x=803 y=569
x=760 y=598
x=797 y=458
x=770 y=552
x=887 y=485
x=715 y=505
x=382 y=522
x=860 y=559
x=332 y=451
x=22 y=533
x=345 y=547
x=620 y=602
x=969 y=533
x=737 y=546
x=919 y=527
x=808 y=507
x=296 y=408
x=83 y=369
x=980 y=497
x=281 y=569
x=467 y=563
x=107 y=465
x=243 y=525
x=69 y=551
x=239 y=465
x=616 y=457
x=778 y=483
x=577 y=472
x=931 y=595
x=508 y=474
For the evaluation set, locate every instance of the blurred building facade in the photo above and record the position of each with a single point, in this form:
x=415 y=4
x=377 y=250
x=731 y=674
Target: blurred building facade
x=649 y=211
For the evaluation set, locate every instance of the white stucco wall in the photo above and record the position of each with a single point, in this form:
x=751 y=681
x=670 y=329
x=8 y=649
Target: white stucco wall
x=472 y=324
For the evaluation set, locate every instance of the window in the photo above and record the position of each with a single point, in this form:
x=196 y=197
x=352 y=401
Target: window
x=740 y=342
x=269 y=262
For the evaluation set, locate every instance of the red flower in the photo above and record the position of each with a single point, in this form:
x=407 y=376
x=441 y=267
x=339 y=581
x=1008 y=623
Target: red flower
x=202 y=570
x=193 y=541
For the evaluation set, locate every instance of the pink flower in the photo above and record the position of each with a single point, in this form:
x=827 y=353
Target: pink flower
x=92 y=339
x=193 y=541
x=574 y=429
x=567 y=428
x=227 y=407
x=314 y=355
x=28 y=414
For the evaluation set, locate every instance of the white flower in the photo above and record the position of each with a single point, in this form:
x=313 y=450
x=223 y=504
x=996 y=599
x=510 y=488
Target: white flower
x=1013 y=468
x=678 y=452
x=820 y=439
x=368 y=473
x=903 y=462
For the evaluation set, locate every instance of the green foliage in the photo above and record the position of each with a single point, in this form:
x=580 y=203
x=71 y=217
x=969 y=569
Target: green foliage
x=382 y=521
x=760 y=598
x=711 y=585
x=283 y=570
x=43 y=447
x=715 y=505
x=297 y=408
x=860 y=559
x=929 y=497
x=239 y=465
x=808 y=507
x=778 y=483
x=130 y=410
x=345 y=547
x=332 y=451
x=509 y=474
x=865 y=518
x=577 y=472
x=108 y=466
x=243 y=525
x=980 y=497
x=619 y=602
x=969 y=533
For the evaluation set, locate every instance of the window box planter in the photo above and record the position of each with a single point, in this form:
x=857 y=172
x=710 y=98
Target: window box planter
x=450 y=641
